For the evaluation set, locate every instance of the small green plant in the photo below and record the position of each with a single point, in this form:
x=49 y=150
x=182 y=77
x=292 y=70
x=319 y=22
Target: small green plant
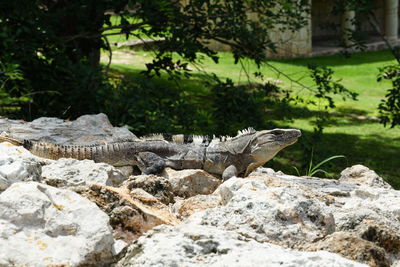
x=312 y=170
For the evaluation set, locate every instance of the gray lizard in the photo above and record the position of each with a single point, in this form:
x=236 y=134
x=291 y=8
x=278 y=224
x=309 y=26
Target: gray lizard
x=224 y=156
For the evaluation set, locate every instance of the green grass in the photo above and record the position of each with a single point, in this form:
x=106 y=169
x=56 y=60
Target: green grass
x=361 y=141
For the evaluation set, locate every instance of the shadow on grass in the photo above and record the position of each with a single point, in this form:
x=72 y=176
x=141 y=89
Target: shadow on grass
x=377 y=153
x=195 y=84
x=343 y=117
x=348 y=110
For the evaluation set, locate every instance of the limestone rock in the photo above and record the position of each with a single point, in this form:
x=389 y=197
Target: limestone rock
x=43 y=226
x=284 y=215
x=361 y=175
x=157 y=186
x=19 y=152
x=268 y=171
x=118 y=246
x=367 y=210
x=195 y=245
x=72 y=172
x=352 y=247
x=191 y=182
x=381 y=235
x=186 y=207
x=16 y=165
x=297 y=212
x=15 y=169
x=127 y=170
x=131 y=212
x=87 y=129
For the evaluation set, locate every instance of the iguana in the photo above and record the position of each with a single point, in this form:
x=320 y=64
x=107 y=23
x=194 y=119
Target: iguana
x=224 y=156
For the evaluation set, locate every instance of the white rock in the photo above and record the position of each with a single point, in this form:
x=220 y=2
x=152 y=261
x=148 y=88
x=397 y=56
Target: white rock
x=368 y=213
x=19 y=152
x=16 y=164
x=194 y=245
x=41 y=226
x=118 y=246
x=72 y=172
x=4 y=183
x=269 y=171
x=361 y=175
x=186 y=207
x=283 y=215
x=379 y=205
x=191 y=182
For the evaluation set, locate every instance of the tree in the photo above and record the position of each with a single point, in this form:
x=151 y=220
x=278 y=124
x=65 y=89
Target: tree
x=56 y=46
x=56 y=43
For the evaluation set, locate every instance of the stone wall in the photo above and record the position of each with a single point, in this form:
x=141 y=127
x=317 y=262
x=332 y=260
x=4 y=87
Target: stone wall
x=321 y=16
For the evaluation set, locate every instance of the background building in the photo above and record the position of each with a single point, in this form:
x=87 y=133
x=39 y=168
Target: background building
x=326 y=34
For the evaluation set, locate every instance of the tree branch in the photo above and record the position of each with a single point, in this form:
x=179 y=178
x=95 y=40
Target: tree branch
x=89 y=35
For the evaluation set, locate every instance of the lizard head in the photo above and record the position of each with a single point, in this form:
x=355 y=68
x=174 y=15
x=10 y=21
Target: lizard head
x=267 y=143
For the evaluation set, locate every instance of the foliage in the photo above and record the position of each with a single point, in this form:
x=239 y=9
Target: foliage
x=313 y=170
x=56 y=44
x=11 y=80
x=238 y=106
x=325 y=88
x=59 y=72
x=389 y=108
x=57 y=47
x=146 y=106
x=325 y=85
x=159 y=105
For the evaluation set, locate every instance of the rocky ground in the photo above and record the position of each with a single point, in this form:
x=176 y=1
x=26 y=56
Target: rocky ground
x=81 y=213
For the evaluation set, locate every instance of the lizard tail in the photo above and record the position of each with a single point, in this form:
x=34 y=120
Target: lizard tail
x=11 y=140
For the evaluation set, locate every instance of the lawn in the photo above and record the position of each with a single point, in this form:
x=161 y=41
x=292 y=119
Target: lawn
x=362 y=141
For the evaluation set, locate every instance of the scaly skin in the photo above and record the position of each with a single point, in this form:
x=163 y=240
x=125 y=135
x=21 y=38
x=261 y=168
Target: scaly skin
x=236 y=156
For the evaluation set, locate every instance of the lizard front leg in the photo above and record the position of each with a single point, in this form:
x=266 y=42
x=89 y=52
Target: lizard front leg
x=150 y=163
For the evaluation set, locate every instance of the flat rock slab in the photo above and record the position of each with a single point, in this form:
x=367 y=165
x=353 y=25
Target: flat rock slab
x=87 y=129
x=42 y=226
